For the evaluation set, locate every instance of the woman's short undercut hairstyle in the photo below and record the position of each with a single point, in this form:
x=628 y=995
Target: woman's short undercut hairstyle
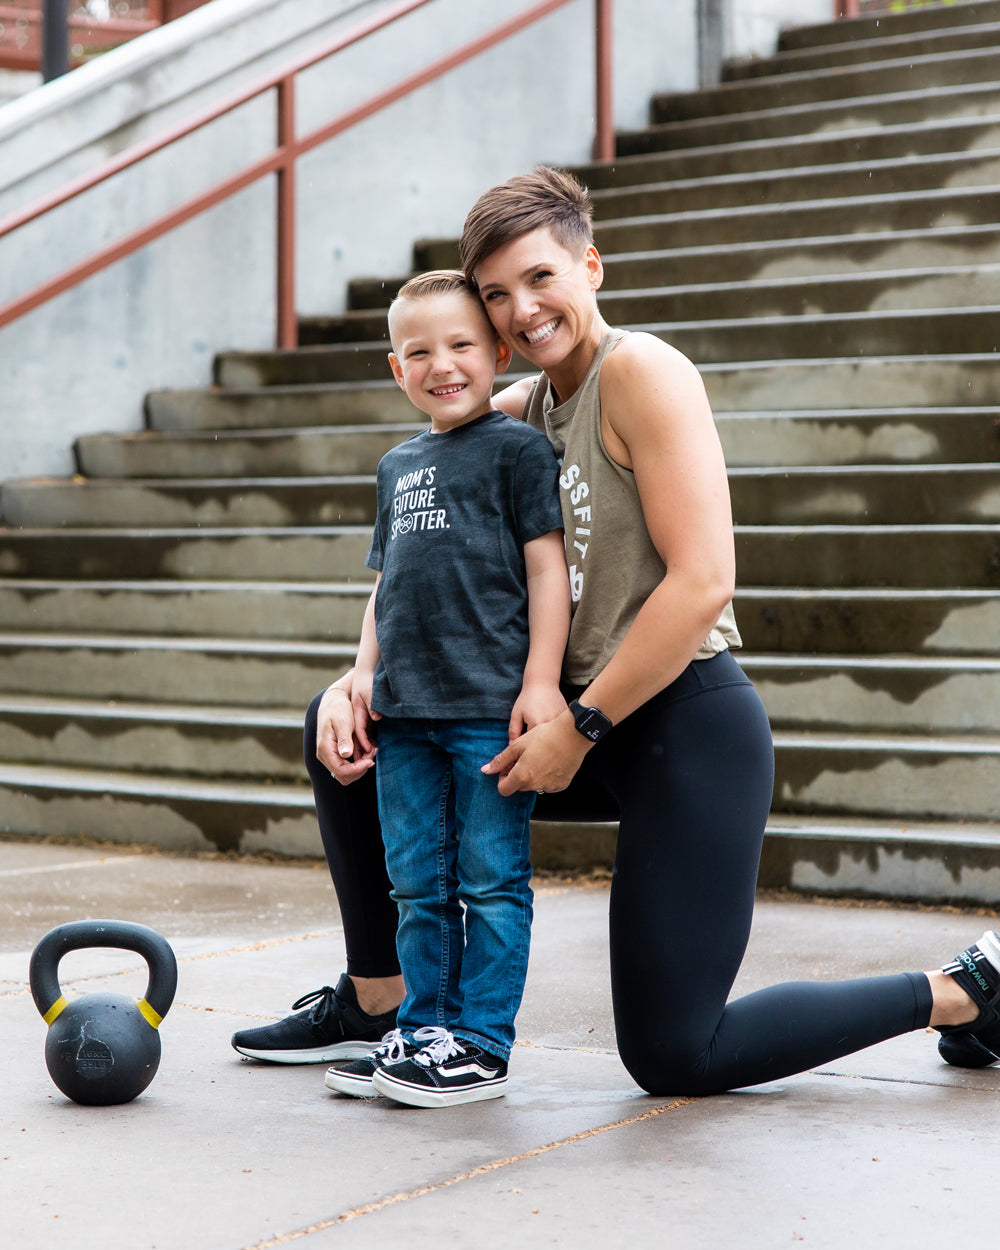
x=545 y=197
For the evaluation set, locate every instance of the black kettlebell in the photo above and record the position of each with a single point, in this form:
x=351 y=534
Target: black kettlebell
x=102 y=1049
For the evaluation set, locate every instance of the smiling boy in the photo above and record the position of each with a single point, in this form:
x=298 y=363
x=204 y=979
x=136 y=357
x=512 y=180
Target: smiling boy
x=461 y=651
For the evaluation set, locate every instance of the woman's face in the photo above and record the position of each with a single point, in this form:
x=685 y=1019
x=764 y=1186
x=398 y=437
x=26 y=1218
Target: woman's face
x=541 y=297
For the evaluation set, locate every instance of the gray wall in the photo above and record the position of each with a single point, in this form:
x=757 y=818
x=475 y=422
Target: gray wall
x=83 y=362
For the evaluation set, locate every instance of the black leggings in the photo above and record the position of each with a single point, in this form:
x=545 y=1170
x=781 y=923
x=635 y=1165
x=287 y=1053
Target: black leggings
x=689 y=777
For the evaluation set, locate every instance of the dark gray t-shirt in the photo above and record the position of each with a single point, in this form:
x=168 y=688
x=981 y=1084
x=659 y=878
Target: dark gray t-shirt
x=451 y=613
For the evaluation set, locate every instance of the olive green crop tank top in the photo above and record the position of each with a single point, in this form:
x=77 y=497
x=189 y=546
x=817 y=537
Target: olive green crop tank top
x=613 y=564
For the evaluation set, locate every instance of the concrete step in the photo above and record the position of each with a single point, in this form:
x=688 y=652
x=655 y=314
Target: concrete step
x=880 y=46
x=216 y=742
x=924 y=287
x=311 y=451
x=869 y=494
x=826 y=117
x=904 y=556
x=776 y=259
x=836 y=255
x=809 y=182
x=322 y=612
x=913 y=556
x=862 y=382
x=871 y=144
x=315 y=554
x=773 y=440
x=898 y=777
x=879 y=694
x=864 y=214
x=771 y=618
x=875 y=494
x=875 y=77
x=823 y=782
x=954 y=861
x=875 y=290
x=929 y=17
x=884 y=332
x=172 y=813
x=229 y=671
x=821 y=621
x=331 y=403
x=217 y=502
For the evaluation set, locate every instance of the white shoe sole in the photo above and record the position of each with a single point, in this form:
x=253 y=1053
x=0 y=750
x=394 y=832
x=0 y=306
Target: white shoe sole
x=339 y=1052
x=345 y=1083
x=989 y=944
x=422 y=1096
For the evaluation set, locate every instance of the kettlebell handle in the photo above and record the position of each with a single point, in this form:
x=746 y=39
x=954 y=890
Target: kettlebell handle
x=43 y=971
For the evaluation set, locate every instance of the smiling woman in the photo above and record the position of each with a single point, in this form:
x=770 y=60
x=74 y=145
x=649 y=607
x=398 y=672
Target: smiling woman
x=663 y=732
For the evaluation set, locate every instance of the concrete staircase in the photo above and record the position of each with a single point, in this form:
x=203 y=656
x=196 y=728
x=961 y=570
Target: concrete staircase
x=821 y=234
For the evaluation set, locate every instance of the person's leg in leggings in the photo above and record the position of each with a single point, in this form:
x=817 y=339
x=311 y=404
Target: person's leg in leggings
x=352 y=843
x=693 y=775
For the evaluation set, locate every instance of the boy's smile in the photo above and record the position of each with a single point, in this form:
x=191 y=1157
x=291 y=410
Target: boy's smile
x=445 y=355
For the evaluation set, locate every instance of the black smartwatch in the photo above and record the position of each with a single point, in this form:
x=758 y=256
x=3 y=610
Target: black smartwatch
x=590 y=721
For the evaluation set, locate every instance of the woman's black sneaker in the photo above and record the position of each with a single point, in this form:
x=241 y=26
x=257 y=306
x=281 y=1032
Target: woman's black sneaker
x=977 y=971
x=355 y=1079
x=445 y=1073
x=333 y=1026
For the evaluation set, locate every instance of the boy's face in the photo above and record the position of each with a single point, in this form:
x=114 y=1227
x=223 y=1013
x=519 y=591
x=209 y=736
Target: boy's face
x=444 y=355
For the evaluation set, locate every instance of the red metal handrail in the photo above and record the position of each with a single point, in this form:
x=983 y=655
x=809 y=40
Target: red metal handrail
x=288 y=149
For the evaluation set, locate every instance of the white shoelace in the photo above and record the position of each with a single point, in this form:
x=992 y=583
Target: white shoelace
x=443 y=1047
x=392 y=1048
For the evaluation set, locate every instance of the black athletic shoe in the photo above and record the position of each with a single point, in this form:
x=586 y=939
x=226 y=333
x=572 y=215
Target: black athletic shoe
x=977 y=970
x=333 y=1027
x=445 y=1073
x=355 y=1078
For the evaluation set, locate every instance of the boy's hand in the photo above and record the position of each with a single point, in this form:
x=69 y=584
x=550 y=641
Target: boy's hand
x=537 y=703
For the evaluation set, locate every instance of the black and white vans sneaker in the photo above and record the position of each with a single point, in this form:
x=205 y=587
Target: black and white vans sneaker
x=355 y=1078
x=332 y=1026
x=977 y=971
x=445 y=1073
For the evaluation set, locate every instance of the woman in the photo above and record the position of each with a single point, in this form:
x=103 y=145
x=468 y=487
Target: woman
x=663 y=731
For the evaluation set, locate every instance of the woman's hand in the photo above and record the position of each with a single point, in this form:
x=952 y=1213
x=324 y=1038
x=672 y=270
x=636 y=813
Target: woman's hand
x=545 y=758
x=336 y=747
x=364 y=715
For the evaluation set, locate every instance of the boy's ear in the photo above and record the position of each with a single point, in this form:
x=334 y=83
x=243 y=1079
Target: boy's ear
x=505 y=354
x=397 y=370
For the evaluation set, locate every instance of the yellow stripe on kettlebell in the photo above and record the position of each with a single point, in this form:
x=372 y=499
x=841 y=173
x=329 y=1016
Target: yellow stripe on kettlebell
x=149 y=1014
x=55 y=1010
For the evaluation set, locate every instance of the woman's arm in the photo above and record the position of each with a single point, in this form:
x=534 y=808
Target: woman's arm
x=655 y=421
x=344 y=751
x=513 y=398
x=548 y=628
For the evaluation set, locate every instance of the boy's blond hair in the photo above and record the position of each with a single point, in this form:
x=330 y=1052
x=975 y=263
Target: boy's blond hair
x=545 y=197
x=436 y=282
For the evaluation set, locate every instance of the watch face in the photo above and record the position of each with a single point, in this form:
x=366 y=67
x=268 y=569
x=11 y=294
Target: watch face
x=591 y=722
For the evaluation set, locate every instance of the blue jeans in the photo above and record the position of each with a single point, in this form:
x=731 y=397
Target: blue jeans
x=451 y=840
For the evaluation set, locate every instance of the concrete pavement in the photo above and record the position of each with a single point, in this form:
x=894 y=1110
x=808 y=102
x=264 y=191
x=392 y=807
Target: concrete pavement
x=886 y=1148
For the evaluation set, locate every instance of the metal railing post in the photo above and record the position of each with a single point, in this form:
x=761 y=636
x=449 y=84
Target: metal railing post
x=55 y=39
x=711 y=42
x=604 y=130
x=287 y=327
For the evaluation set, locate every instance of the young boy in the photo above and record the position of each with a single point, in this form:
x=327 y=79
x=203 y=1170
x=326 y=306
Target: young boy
x=461 y=650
